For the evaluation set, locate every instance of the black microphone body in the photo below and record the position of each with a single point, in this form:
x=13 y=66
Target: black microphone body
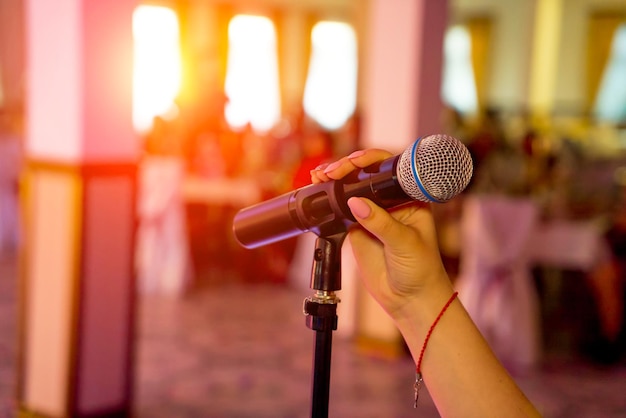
x=432 y=169
x=320 y=208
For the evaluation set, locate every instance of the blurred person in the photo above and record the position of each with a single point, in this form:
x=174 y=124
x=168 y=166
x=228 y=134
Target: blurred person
x=530 y=137
x=606 y=343
x=316 y=150
x=286 y=148
x=488 y=135
x=349 y=135
x=254 y=149
x=207 y=159
x=455 y=125
x=163 y=138
x=499 y=166
x=400 y=265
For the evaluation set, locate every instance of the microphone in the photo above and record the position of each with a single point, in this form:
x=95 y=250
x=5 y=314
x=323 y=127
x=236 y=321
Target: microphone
x=434 y=168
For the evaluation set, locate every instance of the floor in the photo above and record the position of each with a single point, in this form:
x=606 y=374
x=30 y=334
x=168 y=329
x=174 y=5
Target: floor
x=237 y=350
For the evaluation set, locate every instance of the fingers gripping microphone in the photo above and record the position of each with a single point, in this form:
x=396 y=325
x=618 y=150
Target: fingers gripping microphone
x=433 y=169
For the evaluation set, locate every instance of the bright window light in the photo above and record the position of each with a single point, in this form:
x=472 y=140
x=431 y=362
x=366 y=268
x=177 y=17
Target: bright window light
x=252 y=73
x=330 y=91
x=157 y=65
x=458 y=85
x=610 y=103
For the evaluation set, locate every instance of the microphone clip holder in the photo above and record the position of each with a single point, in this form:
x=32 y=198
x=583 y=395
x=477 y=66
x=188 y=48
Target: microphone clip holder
x=321 y=314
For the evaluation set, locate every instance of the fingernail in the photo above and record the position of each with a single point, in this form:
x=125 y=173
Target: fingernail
x=332 y=166
x=359 y=208
x=321 y=167
x=357 y=154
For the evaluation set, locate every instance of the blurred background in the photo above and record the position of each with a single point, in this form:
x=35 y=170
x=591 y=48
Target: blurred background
x=131 y=132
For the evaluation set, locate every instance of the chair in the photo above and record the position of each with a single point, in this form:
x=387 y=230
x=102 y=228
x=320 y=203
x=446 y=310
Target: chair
x=495 y=282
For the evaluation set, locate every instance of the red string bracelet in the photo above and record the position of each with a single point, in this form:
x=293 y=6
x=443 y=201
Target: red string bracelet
x=418 y=369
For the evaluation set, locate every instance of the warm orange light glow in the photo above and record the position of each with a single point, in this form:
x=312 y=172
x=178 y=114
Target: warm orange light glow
x=157 y=65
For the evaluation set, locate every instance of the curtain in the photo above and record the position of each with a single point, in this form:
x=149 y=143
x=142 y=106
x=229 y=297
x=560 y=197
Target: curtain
x=602 y=28
x=479 y=29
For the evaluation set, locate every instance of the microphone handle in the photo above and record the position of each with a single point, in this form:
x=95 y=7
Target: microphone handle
x=320 y=208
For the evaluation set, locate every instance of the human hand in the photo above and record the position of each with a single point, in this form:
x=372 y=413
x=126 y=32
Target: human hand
x=396 y=250
x=399 y=262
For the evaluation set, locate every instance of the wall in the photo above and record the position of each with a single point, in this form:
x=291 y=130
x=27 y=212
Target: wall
x=513 y=31
x=509 y=65
x=511 y=41
x=11 y=53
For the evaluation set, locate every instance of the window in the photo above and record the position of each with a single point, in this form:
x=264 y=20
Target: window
x=252 y=73
x=330 y=90
x=157 y=65
x=610 y=104
x=458 y=83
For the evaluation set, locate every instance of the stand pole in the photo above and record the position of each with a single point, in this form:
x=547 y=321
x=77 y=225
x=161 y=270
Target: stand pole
x=321 y=312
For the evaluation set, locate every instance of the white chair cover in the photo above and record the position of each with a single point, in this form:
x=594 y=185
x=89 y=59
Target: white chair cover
x=494 y=283
x=162 y=253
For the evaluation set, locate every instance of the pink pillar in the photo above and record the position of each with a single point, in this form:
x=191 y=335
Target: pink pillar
x=78 y=290
x=11 y=55
x=402 y=84
x=402 y=79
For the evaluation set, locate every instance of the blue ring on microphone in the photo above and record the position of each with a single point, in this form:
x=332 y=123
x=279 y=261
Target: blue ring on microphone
x=418 y=181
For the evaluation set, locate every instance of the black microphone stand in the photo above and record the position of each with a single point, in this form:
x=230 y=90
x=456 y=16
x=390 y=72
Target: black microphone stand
x=321 y=314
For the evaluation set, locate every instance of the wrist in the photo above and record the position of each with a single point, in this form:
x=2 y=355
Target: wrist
x=419 y=311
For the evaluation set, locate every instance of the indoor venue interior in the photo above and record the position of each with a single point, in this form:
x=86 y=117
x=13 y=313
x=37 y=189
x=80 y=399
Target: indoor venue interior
x=132 y=133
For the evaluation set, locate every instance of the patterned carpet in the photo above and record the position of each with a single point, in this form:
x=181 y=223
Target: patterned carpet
x=243 y=350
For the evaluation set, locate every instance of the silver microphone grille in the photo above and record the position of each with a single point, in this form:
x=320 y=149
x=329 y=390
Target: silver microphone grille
x=434 y=169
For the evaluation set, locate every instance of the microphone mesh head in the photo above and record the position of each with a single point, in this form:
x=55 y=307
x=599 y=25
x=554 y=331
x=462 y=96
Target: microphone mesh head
x=434 y=169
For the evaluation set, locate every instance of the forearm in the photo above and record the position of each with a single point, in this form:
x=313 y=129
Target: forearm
x=459 y=369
